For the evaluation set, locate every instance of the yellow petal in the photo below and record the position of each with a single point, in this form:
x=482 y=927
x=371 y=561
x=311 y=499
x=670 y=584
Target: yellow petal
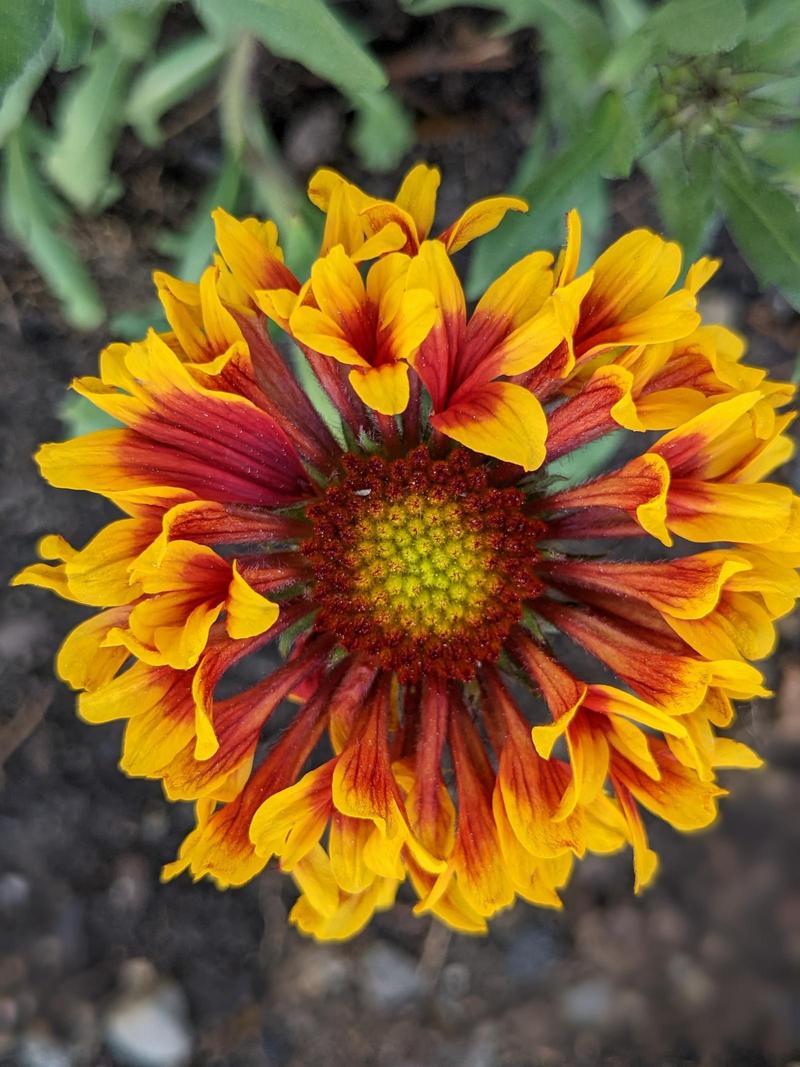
x=518 y=293
x=384 y=389
x=567 y=266
x=417 y=196
x=499 y=419
x=721 y=511
x=479 y=218
x=83 y=661
x=248 y=612
x=701 y=273
x=317 y=331
x=432 y=270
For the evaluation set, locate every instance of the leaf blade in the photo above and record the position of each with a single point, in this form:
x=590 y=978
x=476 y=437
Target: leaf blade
x=764 y=221
x=294 y=29
x=700 y=27
x=26 y=28
x=34 y=217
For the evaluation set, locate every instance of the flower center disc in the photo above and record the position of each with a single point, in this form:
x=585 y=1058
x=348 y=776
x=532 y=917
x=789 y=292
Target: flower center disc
x=421 y=564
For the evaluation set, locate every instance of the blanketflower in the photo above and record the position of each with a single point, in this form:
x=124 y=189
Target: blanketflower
x=420 y=565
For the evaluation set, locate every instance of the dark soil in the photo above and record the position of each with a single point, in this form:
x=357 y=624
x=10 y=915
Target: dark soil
x=701 y=970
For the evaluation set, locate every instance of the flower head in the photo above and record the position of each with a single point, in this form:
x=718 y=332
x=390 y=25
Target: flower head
x=421 y=565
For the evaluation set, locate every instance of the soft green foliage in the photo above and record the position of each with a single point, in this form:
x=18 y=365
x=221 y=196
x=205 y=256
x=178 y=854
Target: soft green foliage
x=26 y=28
x=79 y=416
x=305 y=30
x=702 y=96
x=78 y=162
x=584 y=462
x=571 y=175
x=168 y=80
x=33 y=216
x=120 y=77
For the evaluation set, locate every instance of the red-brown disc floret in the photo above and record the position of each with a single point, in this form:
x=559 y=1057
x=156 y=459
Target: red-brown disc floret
x=420 y=564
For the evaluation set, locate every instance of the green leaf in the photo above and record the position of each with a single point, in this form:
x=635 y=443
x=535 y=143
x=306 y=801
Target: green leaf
x=134 y=324
x=768 y=23
x=784 y=92
x=79 y=416
x=25 y=29
x=168 y=80
x=619 y=160
x=34 y=217
x=89 y=121
x=543 y=228
x=699 y=27
x=103 y=10
x=624 y=16
x=134 y=32
x=301 y=236
x=383 y=131
x=591 y=153
x=765 y=223
x=585 y=462
x=774 y=54
x=684 y=184
x=577 y=43
x=316 y=394
x=75 y=33
x=304 y=30
x=778 y=149
x=570 y=178
x=556 y=19
x=626 y=61
x=193 y=247
x=17 y=98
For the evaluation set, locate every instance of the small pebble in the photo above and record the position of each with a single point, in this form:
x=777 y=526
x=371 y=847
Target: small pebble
x=39 y=1050
x=388 y=977
x=588 y=1003
x=318 y=971
x=14 y=891
x=150 y=1030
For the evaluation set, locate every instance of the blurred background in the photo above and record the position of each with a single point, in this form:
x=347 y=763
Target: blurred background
x=122 y=122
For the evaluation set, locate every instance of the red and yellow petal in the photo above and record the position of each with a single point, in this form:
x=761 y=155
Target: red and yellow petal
x=480 y=218
x=85 y=659
x=678 y=796
x=250 y=249
x=417 y=196
x=645 y=860
x=687 y=588
x=363 y=783
x=237 y=723
x=384 y=388
x=722 y=511
x=640 y=489
x=476 y=861
x=510 y=302
x=339 y=918
x=291 y=822
x=248 y=613
x=255 y=465
x=628 y=301
x=499 y=419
